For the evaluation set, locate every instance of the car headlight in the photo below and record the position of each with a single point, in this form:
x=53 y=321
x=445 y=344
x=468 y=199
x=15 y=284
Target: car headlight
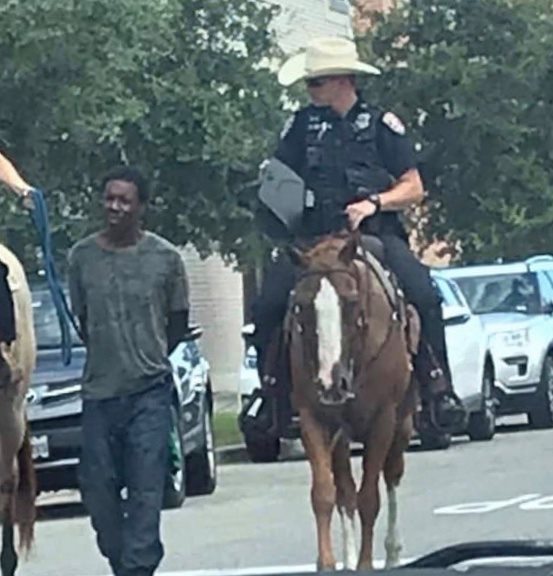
x=510 y=339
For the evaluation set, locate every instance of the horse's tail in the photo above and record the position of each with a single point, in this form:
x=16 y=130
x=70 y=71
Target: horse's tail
x=25 y=509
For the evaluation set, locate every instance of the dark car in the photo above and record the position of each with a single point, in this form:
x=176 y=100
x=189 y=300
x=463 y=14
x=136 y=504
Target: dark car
x=55 y=407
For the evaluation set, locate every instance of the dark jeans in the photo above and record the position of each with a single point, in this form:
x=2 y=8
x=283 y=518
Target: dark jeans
x=125 y=444
x=413 y=276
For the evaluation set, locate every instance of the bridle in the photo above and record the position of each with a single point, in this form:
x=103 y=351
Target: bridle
x=293 y=323
x=295 y=307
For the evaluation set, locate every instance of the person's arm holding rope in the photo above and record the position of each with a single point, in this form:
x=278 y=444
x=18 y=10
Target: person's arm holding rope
x=11 y=177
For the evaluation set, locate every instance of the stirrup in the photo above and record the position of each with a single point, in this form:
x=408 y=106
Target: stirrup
x=459 y=420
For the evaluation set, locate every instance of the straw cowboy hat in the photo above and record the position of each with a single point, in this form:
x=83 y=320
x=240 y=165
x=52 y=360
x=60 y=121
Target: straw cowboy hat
x=324 y=57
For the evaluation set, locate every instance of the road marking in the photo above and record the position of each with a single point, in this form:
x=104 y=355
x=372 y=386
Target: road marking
x=492 y=505
x=264 y=570
x=544 y=503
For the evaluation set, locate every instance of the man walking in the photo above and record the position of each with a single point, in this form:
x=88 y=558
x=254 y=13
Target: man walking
x=129 y=290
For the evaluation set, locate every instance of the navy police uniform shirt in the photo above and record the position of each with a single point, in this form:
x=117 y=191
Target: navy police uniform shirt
x=346 y=159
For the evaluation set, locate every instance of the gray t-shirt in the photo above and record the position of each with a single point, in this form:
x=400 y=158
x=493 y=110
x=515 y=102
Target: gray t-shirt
x=127 y=296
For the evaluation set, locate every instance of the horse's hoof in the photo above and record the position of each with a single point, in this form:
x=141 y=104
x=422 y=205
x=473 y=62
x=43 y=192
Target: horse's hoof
x=326 y=566
x=393 y=555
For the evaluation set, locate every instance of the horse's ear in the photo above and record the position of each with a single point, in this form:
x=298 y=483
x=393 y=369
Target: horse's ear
x=297 y=256
x=349 y=250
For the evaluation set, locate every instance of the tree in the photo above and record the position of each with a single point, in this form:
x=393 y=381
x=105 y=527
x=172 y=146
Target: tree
x=474 y=81
x=175 y=86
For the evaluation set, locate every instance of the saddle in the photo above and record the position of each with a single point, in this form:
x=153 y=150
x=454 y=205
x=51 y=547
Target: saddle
x=431 y=380
x=372 y=253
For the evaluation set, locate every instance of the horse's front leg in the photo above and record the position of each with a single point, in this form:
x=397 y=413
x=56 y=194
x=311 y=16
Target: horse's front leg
x=376 y=448
x=346 y=500
x=316 y=441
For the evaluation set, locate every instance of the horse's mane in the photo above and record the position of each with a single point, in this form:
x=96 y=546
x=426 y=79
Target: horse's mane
x=328 y=244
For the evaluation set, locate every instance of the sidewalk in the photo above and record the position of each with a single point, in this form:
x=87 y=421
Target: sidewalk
x=226 y=401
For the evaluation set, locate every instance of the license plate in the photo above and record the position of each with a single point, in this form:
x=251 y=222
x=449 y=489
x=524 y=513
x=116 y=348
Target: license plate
x=41 y=449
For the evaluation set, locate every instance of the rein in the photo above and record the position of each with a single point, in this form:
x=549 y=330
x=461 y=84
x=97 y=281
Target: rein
x=39 y=216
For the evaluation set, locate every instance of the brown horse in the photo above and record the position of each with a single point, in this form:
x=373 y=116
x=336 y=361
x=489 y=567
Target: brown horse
x=17 y=478
x=351 y=381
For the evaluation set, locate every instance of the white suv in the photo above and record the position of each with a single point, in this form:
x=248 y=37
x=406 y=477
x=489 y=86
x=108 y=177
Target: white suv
x=515 y=303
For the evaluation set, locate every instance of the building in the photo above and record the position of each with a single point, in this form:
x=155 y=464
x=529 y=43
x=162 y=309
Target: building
x=301 y=20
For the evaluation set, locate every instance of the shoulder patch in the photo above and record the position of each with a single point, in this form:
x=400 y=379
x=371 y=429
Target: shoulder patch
x=287 y=126
x=394 y=123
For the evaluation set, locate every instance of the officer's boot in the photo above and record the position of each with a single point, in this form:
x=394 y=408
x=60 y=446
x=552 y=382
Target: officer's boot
x=442 y=408
x=273 y=368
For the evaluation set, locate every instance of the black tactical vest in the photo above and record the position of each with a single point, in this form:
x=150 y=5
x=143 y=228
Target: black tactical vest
x=342 y=165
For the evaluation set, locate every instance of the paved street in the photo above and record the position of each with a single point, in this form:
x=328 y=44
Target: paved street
x=260 y=514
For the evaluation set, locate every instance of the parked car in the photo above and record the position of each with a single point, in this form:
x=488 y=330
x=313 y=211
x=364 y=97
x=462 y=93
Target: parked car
x=515 y=304
x=54 y=409
x=471 y=365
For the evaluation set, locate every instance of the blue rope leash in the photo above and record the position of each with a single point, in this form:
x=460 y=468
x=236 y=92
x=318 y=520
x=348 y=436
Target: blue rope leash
x=39 y=215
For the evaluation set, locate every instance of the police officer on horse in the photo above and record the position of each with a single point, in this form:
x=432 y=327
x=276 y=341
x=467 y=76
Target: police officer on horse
x=360 y=172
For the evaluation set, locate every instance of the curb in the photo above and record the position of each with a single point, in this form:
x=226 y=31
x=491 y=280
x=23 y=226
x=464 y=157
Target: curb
x=237 y=453
x=234 y=454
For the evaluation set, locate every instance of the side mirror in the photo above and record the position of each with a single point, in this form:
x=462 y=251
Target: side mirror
x=455 y=315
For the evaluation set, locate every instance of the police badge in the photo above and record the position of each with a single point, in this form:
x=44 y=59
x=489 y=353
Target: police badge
x=363 y=121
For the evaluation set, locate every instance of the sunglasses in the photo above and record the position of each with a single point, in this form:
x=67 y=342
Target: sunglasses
x=317 y=82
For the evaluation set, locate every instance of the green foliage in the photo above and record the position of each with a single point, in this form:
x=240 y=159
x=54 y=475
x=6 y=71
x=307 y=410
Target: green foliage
x=175 y=86
x=474 y=79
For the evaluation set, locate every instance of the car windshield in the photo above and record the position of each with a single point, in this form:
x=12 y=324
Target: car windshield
x=47 y=327
x=501 y=293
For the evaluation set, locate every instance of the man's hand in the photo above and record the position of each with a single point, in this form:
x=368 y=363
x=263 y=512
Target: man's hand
x=358 y=211
x=11 y=177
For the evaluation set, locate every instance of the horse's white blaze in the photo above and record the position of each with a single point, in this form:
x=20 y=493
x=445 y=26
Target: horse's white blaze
x=329 y=330
x=348 y=537
x=393 y=539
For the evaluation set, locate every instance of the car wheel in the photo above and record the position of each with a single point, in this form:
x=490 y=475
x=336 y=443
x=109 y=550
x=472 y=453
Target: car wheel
x=262 y=449
x=175 y=483
x=435 y=440
x=201 y=468
x=541 y=415
x=481 y=425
